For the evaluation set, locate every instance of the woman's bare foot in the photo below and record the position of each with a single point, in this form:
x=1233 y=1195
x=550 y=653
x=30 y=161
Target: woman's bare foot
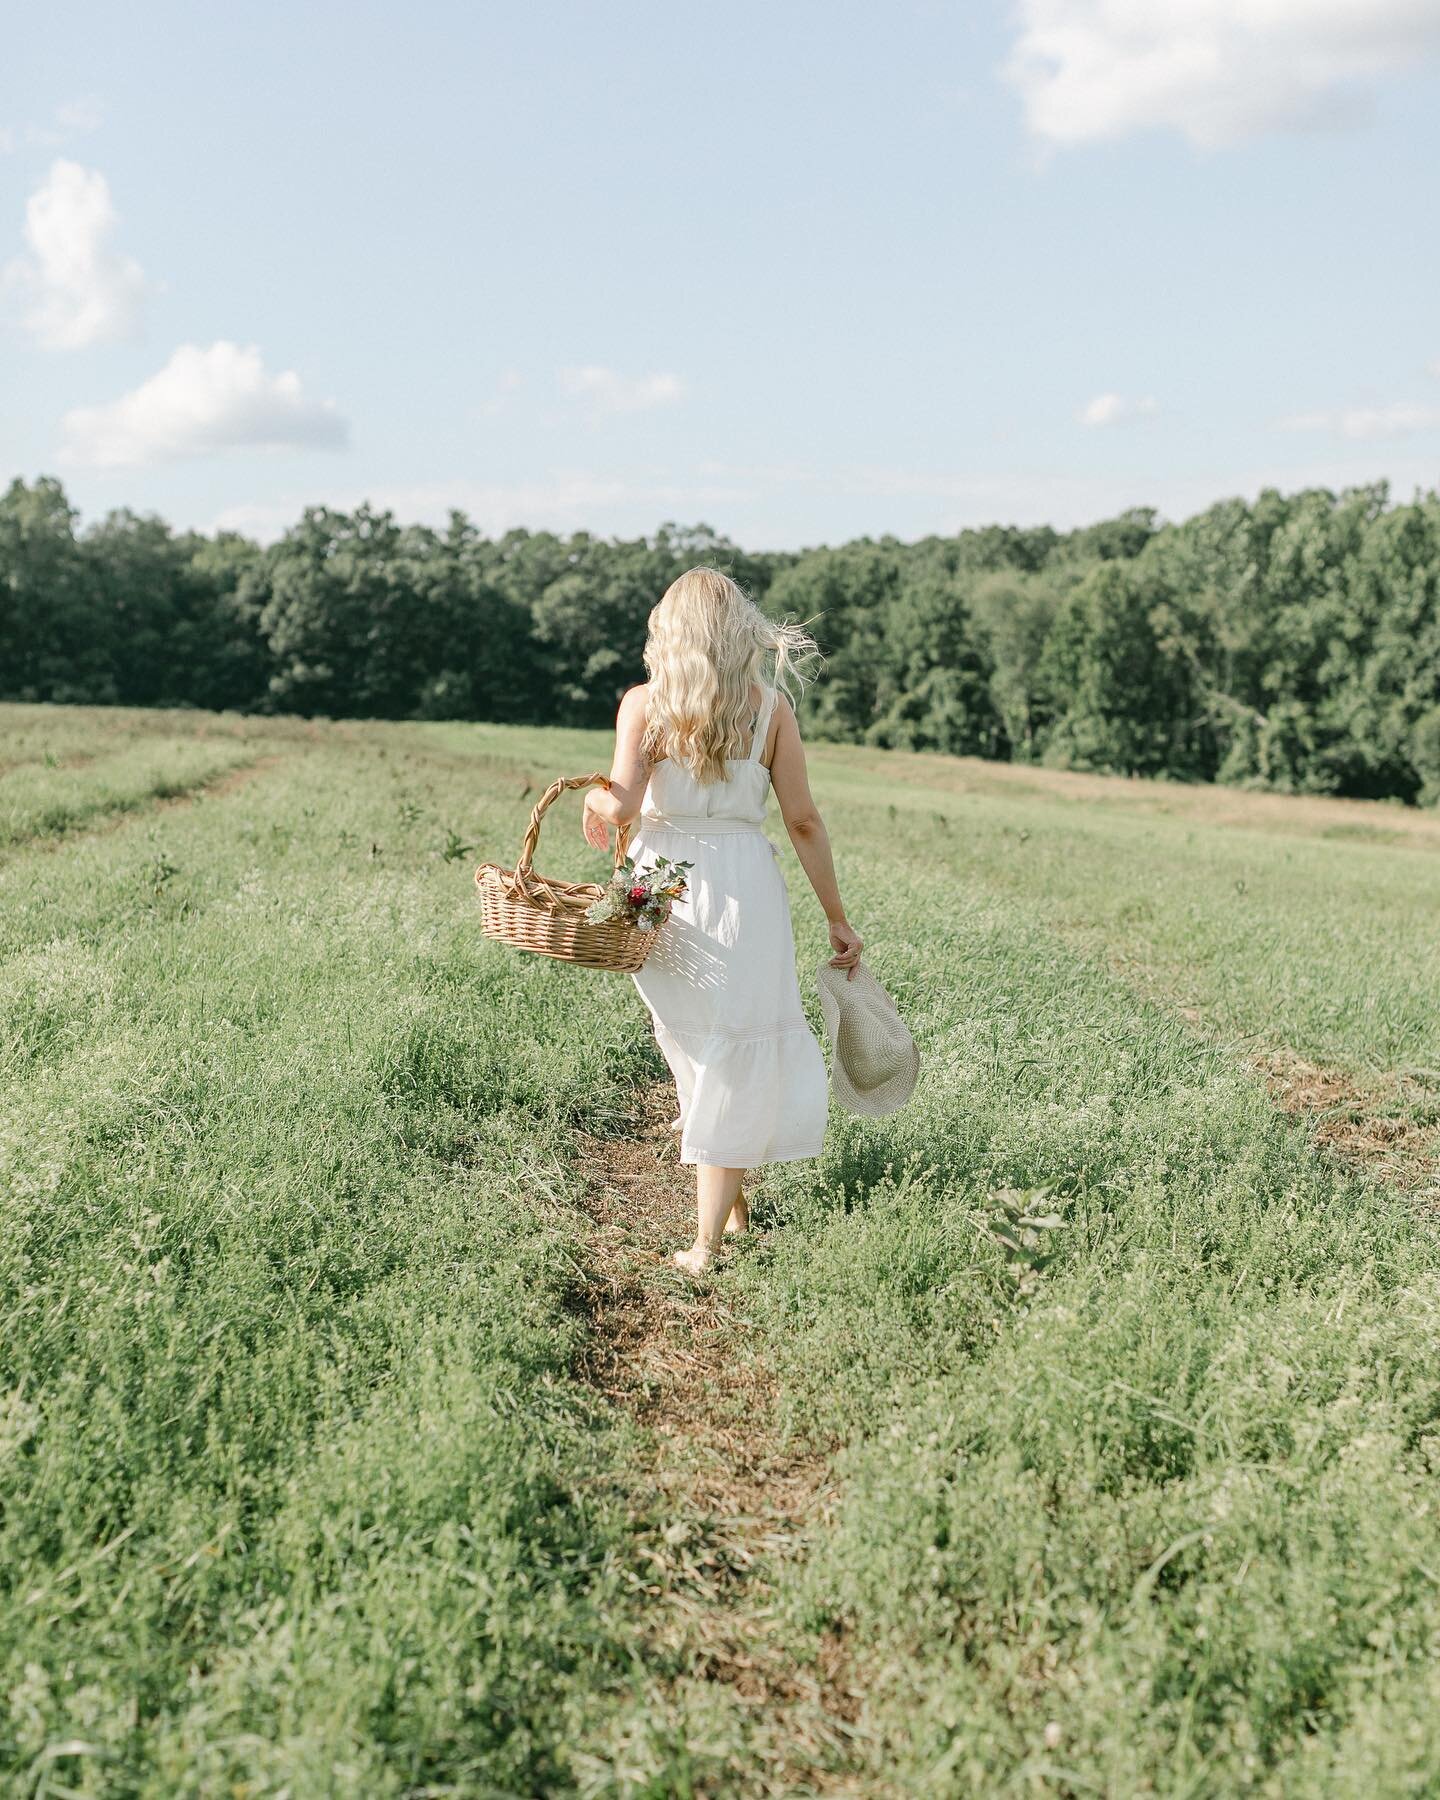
x=695 y=1260
x=677 y=1124
x=739 y=1219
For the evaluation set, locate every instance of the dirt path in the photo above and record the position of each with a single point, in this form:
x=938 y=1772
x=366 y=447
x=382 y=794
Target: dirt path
x=1387 y=1127
x=725 y=1498
x=229 y=782
x=1371 y=1129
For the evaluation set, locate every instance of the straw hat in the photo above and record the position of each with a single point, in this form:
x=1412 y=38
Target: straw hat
x=874 y=1064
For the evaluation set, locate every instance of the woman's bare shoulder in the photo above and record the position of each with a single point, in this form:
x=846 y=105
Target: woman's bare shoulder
x=634 y=700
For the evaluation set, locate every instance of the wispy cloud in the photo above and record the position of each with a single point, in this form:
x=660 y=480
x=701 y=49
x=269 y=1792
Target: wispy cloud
x=1399 y=419
x=510 y=383
x=564 y=501
x=608 y=391
x=74 y=288
x=201 y=402
x=1116 y=409
x=71 y=119
x=84 y=113
x=787 y=505
x=1218 y=71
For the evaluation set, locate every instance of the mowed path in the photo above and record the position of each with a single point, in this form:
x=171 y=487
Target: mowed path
x=725 y=1496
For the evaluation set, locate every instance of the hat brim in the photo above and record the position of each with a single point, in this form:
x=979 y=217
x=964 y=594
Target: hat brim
x=886 y=1096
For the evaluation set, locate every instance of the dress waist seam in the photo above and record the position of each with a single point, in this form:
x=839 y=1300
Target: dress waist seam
x=699 y=824
x=723 y=1034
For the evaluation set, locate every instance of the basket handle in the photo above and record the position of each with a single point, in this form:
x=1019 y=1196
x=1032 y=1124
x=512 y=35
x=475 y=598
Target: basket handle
x=547 y=800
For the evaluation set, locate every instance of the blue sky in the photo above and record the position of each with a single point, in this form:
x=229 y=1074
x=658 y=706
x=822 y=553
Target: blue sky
x=803 y=272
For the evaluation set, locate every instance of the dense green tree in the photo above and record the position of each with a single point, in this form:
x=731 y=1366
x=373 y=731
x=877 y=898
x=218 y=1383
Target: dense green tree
x=355 y=623
x=56 y=642
x=1388 y=704
x=1014 y=613
x=1291 y=642
x=168 y=607
x=844 y=596
x=1121 y=701
x=138 y=573
x=932 y=689
x=1424 y=754
x=1111 y=540
x=228 y=655
x=489 y=668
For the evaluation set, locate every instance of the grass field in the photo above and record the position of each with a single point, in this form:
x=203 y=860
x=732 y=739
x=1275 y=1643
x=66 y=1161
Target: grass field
x=1074 y=1431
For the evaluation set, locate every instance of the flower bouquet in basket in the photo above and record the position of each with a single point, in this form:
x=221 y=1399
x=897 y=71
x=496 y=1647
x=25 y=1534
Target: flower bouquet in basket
x=642 y=899
x=590 y=924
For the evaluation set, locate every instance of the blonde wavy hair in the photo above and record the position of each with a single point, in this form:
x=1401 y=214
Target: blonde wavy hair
x=708 y=643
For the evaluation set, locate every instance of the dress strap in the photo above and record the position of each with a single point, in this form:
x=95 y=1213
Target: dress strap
x=762 y=723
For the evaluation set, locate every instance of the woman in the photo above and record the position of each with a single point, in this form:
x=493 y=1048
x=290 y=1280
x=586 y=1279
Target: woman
x=697 y=748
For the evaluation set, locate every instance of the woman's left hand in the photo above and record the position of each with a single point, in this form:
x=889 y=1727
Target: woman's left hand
x=597 y=831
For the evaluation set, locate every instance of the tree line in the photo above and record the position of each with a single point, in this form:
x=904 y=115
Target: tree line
x=1291 y=643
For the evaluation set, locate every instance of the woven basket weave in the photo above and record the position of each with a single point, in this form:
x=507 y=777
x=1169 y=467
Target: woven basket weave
x=534 y=912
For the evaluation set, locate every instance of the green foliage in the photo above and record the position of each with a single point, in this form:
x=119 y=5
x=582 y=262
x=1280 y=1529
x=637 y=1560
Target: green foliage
x=1122 y=1396
x=1120 y=702
x=295 y=1492
x=1292 y=643
x=55 y=637
x=1134 y=1393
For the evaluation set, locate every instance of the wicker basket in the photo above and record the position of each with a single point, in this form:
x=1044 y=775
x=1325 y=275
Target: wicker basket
x=532 y=912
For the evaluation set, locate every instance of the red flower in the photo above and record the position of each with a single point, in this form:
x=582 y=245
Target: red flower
x=639 y=895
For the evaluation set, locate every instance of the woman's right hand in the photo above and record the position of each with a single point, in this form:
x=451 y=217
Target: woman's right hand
x=845 y=942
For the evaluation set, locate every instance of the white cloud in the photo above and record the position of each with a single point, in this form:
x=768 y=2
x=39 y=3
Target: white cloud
x=71 y=117
x=612 y=392
x=790 y=505
x=1063 y=497
x=510 y=383
x=75 y=288
x=1115 y=409
x=1309 y=421
x=203 y=400
x=565 y=501
x=1398 y=419
x=1216 y=70
x=81 y=114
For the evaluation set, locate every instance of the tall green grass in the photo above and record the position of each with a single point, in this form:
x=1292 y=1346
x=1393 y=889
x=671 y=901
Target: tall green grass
x=296 y=1494
x=1132 y=1397
x=1139 y=1496
x=1142 y=1495
x=63 y=768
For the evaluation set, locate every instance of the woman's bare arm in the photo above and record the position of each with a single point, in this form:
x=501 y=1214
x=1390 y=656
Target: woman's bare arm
x=791 y=781
x=629 y=774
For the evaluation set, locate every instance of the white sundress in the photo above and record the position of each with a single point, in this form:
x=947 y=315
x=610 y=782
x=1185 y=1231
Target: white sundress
x=720 y=984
